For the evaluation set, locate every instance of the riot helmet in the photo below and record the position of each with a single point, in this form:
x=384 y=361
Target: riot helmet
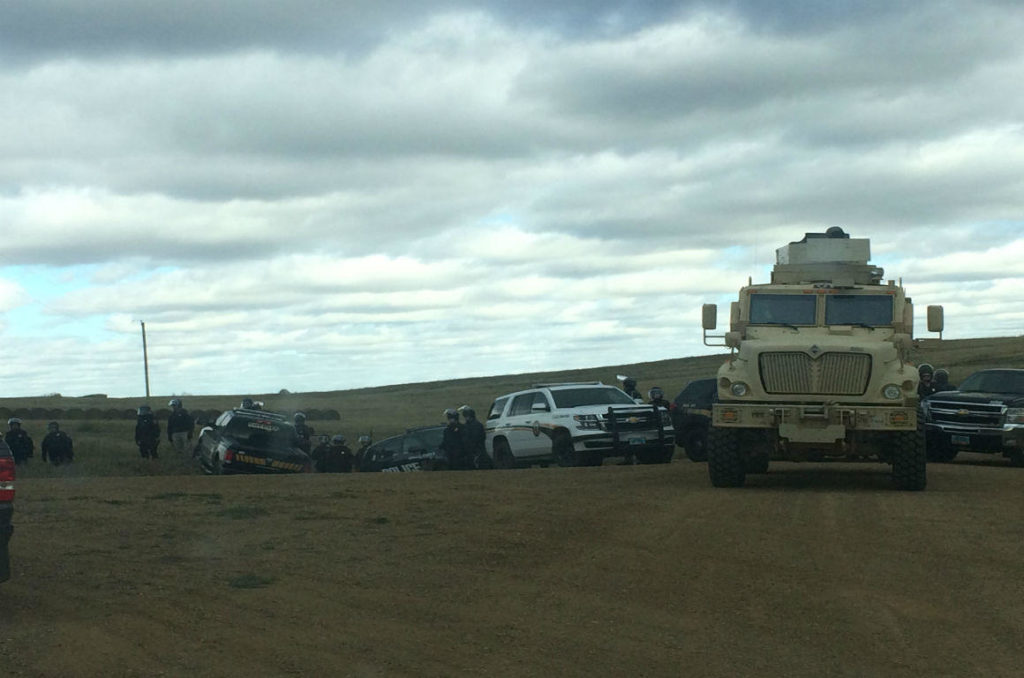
x=300 y=418
x=175 y=403
x=338 y=439
x=468 y=412
x=364 y=440
x=925 y=369
x=247 y=404
x=53 y=426
x=14 y=420
x=144 y=410
x=656 y=393
x=941 y=376
x=451 y=414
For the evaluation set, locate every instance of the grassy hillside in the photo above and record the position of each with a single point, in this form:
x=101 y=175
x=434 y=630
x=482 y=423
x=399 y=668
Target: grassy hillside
x=106 y=447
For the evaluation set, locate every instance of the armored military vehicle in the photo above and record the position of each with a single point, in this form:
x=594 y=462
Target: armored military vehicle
x=819 y=366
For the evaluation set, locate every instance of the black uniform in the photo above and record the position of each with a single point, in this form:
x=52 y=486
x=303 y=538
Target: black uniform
x=20 y=443
x=661 y=402
x=333 y=458
x=453 y=446
x=925 y=389
x=180 y=421
x=147 y=435
x=303 y=437
x=474 y=443
x=58 y=447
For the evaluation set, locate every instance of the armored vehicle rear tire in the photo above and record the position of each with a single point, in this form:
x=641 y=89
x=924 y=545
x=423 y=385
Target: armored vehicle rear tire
x=909 y=460
x=726 y=465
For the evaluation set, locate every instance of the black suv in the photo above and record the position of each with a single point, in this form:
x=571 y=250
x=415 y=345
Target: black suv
x=691 y=417
x=986 y=414
x=251 y=441
x=418 y=449
x=6 y=507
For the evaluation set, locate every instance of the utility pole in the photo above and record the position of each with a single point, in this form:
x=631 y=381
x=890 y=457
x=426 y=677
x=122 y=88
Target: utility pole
x=145 y=357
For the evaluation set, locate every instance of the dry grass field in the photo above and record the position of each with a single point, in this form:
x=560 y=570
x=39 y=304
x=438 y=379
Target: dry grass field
x=125 y=567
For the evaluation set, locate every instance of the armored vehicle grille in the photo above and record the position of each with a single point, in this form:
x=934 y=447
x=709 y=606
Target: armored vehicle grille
x=793 y=372
x=966 y=414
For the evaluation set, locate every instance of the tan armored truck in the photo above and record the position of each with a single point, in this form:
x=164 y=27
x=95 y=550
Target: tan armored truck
x=819 y=366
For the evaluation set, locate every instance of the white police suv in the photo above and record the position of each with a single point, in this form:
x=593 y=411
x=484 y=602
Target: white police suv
x=576 y=424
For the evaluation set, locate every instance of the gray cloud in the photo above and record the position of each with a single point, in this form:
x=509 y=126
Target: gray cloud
x=315 y=196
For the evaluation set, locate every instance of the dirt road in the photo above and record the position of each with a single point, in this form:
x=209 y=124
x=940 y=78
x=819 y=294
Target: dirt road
x=811 y=570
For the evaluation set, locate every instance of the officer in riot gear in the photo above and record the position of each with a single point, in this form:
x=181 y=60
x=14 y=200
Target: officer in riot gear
x=656 y=396
x=147 y=432
x=940 y=381
x=364 y=443
x=925 y=387
x=452 y=443
x=629 y=386
x=179 y=426
x=303 y=432
x=19 y=441
x=57 y=446
x=474 y=439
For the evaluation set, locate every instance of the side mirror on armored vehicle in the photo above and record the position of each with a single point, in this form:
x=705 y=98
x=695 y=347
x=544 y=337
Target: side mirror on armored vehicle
x=935 y=319
x=709 y=316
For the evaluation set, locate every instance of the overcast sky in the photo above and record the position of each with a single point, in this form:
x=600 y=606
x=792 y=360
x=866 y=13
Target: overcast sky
x=317 y=196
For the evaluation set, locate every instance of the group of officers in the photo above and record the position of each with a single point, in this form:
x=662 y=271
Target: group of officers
x=932 y=380
x=147 y=430
x=56 y=448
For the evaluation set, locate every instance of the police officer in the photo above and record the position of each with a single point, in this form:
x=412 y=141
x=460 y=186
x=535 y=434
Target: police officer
x=147 y=432
x=940 y=381
x=656 y=396
x=925 y=387
x=57 y=445
x=179 y=426
x=334 y=458
x=474 y=439
x=364 y=443
x=19 y=441
x=629 y=386
x=303 y=432
x=451 y=441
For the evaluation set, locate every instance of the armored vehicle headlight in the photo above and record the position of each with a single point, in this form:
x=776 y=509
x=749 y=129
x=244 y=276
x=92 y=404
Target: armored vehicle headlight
x=739 y=389
x=891 y=391
x=1015 y=415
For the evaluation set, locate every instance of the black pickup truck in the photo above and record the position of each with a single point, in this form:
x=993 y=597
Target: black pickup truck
x=986 y=414
x=6 y=508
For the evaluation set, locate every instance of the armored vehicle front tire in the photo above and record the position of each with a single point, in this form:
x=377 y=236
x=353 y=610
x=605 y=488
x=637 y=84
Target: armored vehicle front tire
x=909 y=460
x=726 y=463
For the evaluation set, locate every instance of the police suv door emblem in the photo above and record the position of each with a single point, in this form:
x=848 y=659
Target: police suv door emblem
x=536 y=429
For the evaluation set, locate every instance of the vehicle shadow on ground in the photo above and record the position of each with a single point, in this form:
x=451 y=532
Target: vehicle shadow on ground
x=989 y=461
x=820 y=478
